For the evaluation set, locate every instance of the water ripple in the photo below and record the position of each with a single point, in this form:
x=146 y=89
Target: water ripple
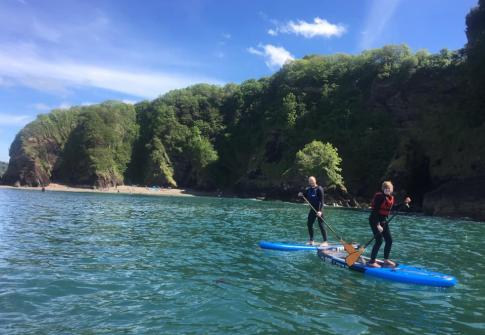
x=102 y=264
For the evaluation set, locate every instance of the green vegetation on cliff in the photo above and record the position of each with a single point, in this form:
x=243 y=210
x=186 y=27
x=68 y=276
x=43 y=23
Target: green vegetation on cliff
x=386 y=111
x=99 y=148
x=416 y=118
x=34 y=152
x=3 y=168
x=177 y=132
x=320 y=160
x=475 y=48
x=82 y=145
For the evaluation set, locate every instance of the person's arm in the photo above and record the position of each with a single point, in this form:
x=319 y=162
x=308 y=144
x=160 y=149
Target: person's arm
x=319 y=207
x=378 y=200
x=320 y=199
x=403 y=205
x=303 y=193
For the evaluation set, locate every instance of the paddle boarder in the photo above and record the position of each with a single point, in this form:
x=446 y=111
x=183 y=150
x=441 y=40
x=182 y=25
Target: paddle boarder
x=314 y=195
x=382 y=203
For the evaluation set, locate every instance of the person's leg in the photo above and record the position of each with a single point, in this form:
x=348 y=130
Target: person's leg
x=311 y=220
x=386 y=233
x=377 y=243
x=323 y=231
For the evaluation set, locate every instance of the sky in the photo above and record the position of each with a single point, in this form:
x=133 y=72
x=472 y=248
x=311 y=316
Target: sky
x=62 y=53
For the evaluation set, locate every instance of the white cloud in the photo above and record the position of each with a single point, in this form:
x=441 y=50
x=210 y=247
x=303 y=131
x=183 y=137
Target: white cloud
x=14 y=120
x=64 y=105
x=255 y=51
x=41 y=107
x=318 y=28
x=61 y=75
x=377 y=19
x=45 y=32
x=129 y=102
x=65 y=36
x=275 y=56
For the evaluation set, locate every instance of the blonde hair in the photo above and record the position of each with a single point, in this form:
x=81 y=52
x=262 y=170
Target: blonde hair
x=387 y=184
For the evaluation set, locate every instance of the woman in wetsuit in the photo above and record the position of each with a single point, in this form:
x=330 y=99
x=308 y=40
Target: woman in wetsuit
x=382 y=203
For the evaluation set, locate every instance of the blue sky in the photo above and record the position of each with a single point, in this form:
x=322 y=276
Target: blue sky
x=60 y=53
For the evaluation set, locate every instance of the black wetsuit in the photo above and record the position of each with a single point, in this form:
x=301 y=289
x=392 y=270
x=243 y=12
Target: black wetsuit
x=374 y=219
x=314 y=195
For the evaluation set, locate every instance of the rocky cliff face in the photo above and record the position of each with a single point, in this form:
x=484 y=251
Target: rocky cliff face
x=3 y=168
x=440 y=148
x=457 y=198
x=35 y=150
x=83 y=146
x=413 y=119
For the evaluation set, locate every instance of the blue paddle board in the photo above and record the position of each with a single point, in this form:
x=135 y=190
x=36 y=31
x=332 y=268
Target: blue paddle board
x=335 y=255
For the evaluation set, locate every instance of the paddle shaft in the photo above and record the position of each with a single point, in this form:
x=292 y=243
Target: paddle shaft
x=329 y=227
x=354 y=256
x=379 y=233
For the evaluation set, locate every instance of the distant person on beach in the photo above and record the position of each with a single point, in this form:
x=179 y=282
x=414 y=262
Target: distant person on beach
x=382 y=203
x=314 y=195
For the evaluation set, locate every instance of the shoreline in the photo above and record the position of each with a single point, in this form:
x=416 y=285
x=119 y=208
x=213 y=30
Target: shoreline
x=178 y=192
x=145 y=190
x=151 y=191
x=124 y=189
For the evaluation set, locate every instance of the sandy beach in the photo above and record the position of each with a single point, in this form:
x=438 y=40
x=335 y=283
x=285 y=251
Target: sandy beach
x=125 y=189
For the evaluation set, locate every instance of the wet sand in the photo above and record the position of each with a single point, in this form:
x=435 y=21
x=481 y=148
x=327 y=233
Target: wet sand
x=125 y=189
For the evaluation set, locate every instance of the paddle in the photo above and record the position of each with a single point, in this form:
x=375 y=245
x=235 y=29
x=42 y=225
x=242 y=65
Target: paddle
x=347 y=246
x=354 y=256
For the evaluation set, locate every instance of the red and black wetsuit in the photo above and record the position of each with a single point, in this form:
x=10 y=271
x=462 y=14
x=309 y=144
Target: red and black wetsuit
x=314 y=195
x=381 y=207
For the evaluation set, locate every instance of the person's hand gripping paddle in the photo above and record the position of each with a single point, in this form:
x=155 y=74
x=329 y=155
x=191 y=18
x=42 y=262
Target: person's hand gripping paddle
x=354 y=256
x=347 y=246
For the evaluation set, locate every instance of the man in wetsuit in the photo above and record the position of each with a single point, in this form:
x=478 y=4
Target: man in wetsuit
x=314 y=195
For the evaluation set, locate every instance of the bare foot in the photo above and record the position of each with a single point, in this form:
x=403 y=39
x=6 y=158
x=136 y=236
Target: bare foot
x=389 y=263
x=324 y=244
x=373 y=265
x=310 y=242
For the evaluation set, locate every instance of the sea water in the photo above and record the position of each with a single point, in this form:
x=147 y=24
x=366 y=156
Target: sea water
x=83 y=263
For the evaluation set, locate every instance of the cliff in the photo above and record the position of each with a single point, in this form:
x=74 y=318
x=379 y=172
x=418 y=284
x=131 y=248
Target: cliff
x=3 y=168
x=83 y=146
x=415 y=118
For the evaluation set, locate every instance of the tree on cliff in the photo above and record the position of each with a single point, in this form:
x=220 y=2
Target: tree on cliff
x=322 y=161
x=202 y=154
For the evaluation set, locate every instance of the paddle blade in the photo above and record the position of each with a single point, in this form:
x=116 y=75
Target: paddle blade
x=354 y=257
x=349 y=248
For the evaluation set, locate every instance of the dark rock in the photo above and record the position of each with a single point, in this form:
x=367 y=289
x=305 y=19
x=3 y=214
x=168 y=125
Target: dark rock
x=458 y=198
x=353 y=203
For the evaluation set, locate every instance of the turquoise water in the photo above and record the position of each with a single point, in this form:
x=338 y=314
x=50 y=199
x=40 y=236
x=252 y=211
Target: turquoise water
x=73 y=263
